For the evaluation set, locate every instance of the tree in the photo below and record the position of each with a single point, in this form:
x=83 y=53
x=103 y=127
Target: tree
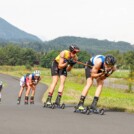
x=129 y=59
x=83 y=56
x=47 y=58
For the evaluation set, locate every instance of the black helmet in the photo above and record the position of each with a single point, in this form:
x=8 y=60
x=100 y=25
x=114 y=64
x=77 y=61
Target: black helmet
x=74 y=48
x=110 y=60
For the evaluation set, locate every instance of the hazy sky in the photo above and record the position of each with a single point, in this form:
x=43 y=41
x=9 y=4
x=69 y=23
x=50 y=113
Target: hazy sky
x=49 y=19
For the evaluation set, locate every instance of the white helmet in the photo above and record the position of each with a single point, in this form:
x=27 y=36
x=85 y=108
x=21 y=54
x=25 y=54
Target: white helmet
x=37 y=73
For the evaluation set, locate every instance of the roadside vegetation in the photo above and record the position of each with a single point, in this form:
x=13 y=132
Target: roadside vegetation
x=114 y=99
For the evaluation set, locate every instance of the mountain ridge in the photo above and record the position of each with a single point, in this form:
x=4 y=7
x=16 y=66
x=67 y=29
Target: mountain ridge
x=11 y=33
x=91 y=45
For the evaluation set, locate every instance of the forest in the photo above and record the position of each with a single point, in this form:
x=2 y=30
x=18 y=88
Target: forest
x=16 y=55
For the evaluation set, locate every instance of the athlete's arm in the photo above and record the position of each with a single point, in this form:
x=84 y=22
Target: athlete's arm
x=110 y=71
x=30 y=80
x=38 y=81
x=70 y=66
x=62 y=64
x=96 y=68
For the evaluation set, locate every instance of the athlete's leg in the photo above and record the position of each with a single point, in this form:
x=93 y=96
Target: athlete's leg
x=20 y=94
x=21 y=91
x=22 y=85
x=89 y=83
x=33 y=90
x=62 y=82
x=84 y=93
x=61 y=88
x=97 y=93
x=28 y=90
x=32 y=94
x=52 y=87
x=99 y=87
x=27 y=93
x=53 y=84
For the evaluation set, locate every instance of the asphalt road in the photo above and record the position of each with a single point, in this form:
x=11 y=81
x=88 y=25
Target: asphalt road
x=34 y=119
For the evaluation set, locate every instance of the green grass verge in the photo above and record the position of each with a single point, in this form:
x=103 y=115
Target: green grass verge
x=113 y=99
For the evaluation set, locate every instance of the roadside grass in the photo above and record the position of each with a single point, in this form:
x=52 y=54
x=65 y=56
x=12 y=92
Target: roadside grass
x=112 y=99
x=120 y=74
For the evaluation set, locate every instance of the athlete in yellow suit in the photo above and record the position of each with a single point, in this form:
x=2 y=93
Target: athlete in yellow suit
x=60 y=66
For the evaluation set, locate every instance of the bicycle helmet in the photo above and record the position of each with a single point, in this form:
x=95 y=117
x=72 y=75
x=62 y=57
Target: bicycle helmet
x=37 y=73
x=74 y=48
x=110 y=60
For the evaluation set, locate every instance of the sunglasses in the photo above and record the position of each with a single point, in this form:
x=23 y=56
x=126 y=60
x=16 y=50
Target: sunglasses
x=74 y=52
x=109 y=65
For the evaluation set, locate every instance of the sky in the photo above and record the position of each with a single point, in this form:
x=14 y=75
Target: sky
x=48 y=19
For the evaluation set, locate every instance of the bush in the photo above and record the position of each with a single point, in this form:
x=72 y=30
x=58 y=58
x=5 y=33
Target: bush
x=28 y=67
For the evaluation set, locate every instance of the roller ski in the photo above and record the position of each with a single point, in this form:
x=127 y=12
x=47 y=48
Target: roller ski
x=18 y=100
x=57 y=104
x=32 y=100
x=61 y=106
x=95 y=111
x=53 y=105
x=26 y=100
x=48 y=103
x=80 y=109
x=93 y=108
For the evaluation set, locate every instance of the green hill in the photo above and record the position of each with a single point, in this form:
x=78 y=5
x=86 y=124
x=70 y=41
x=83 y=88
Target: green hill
x=93 y=46
x=10 y=33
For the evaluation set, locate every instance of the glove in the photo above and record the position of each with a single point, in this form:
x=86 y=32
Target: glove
x=71 y=62
x=35 y=82
x=108 y=72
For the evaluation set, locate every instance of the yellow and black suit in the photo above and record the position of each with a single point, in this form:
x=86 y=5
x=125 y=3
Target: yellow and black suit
x=54 y=68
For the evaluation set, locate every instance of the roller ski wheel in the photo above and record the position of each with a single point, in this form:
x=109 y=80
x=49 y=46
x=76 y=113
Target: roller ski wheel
x=26 y=102
x=62 y=106
x=48 y=105
x=18 y=102
x=78 y=110
x=31 y=102
x=95 y=111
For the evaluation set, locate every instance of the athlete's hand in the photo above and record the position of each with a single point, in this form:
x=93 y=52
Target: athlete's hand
x=101 y=77
x=71 y=62
x=35 y=82
x=108 y=72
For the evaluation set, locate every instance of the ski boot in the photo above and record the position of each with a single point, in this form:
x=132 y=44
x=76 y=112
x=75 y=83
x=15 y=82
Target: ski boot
x=26 y=100
x=80 y=109
x=32 y=100
x=18 y=100
x=57 y=103
x=93 y=108
x=48 y=103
